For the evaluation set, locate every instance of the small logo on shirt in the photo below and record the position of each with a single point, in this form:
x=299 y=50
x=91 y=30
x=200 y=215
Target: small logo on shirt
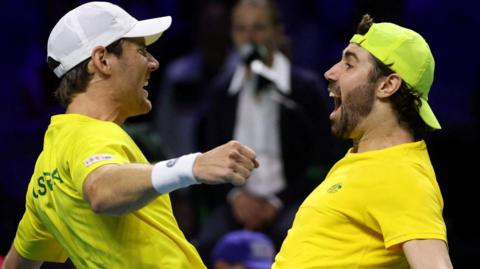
x=96 y=158
x=172 y=162
x=334 y=188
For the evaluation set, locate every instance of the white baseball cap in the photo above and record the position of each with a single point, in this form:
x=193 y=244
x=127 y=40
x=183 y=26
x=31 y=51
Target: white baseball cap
x=97 y=24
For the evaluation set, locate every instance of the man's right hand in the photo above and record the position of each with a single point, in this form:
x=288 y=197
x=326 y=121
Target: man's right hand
x=228 y=163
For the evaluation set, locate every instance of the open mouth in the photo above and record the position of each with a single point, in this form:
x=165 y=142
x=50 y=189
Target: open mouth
x=147 y=78
x=337 y=99
x=145 y=89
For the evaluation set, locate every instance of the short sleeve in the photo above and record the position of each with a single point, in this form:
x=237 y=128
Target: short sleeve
x=93 y=152
x=33 y=241
x=408 y=207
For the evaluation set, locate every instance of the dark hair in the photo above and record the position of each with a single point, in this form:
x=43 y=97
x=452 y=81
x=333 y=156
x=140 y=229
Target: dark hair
x=364 y=24
x=406 y=100
x=75 y=81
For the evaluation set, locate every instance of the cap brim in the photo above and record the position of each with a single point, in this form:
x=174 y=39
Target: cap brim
x=427 y=115
x=151 y=29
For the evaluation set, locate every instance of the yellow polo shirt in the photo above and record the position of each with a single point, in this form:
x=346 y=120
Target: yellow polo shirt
x=368 y=205
x=58 y=222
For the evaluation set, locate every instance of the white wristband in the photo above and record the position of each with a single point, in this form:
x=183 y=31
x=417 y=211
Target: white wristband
x=174 y=174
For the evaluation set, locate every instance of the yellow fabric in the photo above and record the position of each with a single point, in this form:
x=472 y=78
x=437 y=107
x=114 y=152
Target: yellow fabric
x=58 y=222
x=366 y=207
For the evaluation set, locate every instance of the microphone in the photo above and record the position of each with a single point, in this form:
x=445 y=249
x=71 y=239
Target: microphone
x=252 y=51
x=251 y=54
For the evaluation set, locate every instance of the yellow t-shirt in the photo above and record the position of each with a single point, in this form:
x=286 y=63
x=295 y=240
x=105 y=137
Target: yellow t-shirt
x=58 y=222
x=368 y=205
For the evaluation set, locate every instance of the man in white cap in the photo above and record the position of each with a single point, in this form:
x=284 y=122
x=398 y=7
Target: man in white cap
x=93 y=196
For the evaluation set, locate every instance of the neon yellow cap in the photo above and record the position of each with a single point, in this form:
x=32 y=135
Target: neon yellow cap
x=407 y=54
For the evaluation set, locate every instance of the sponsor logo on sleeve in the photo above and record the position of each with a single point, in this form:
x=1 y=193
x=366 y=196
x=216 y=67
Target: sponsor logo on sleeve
x=96 y=158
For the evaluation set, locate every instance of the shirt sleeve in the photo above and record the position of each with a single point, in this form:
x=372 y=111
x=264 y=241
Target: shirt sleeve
x=94 y=151
x=33 y=241
x=408 y=207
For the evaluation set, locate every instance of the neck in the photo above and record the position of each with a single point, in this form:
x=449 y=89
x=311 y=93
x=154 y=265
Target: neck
x=383 y=134
x=96 y=102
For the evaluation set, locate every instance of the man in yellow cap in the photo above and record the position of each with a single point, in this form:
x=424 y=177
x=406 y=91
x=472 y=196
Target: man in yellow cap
x=380 y=206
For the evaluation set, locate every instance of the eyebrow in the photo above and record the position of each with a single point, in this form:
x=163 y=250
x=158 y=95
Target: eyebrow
x=139 y=42
x=350 y=54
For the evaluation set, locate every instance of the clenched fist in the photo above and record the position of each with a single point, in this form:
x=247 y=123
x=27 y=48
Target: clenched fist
x=228 y=163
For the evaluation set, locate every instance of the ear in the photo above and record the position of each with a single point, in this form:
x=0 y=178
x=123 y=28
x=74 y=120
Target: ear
x=100 y=61
x=389 y=85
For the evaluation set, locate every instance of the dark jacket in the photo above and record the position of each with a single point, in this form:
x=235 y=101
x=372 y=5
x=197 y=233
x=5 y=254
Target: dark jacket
x=306 y=143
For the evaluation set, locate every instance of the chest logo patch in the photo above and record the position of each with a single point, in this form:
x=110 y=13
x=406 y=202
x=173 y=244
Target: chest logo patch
x=334 y=188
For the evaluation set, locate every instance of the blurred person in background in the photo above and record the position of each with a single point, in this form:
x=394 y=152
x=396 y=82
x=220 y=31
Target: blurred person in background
x=278 y=110
x=184 y=89
x=187 y=80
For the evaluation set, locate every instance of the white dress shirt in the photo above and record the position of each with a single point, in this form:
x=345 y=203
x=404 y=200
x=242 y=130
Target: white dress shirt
x=257 y=124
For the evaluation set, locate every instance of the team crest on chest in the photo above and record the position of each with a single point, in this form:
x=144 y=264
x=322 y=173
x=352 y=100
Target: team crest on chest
x=334 y=188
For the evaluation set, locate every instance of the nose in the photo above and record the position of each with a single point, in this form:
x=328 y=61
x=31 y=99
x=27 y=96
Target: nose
x=152 y=63
x=332 y=73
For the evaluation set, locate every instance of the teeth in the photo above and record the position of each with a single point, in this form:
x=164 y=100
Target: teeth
x=146 y=83
x=331 y=94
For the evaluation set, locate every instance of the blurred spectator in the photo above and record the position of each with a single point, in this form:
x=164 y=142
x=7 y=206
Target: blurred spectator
x=276 y=109
x=184 y=87
x=187 y=80
x=243 y=250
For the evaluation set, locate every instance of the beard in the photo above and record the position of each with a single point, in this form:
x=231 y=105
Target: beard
x=357 y=105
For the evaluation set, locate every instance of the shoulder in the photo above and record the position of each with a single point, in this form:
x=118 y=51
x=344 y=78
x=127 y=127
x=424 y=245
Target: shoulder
x=396 y=182
x=102 y=129
x=89 y=131
x=385 y=171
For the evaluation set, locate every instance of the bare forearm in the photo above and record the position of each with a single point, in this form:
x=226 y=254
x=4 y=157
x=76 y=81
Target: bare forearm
x=119 y=189
x=13 y=260
x=427 y=253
